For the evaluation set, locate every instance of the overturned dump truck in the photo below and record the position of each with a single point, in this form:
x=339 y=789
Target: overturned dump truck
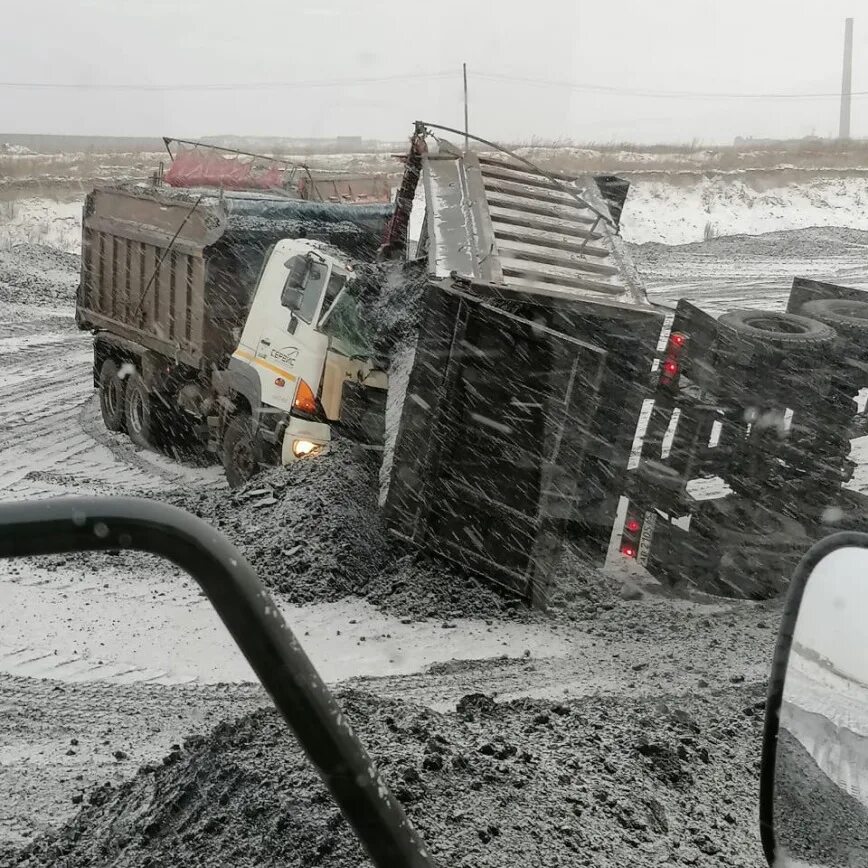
x=540 y=362
x=227 y=322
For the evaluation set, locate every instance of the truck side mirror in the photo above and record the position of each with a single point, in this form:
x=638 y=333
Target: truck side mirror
x=814 y=780
x=76 y=524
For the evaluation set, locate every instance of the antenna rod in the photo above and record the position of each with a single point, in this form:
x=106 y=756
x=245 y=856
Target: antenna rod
x=466 y=125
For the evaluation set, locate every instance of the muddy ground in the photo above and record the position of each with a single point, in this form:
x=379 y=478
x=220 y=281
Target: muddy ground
x=122 y=655
x=603 y=781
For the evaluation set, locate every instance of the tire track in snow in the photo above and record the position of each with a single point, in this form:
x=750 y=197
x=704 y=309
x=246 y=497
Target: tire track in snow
x=52 y=439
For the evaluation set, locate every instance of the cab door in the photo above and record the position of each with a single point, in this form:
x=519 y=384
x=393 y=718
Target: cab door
x=279 y=338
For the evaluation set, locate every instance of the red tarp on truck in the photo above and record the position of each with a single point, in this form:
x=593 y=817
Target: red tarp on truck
x=200 y=169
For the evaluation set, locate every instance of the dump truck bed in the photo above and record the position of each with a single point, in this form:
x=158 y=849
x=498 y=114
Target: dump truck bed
x=528 y=374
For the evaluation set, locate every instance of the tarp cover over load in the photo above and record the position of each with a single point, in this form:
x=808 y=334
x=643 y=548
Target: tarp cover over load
x=203 y=165
x=200 y=168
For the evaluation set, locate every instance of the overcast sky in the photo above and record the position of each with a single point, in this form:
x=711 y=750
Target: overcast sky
x=704 y=46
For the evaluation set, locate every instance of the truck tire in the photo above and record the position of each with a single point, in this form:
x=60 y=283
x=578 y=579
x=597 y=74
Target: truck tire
x=848 y=318
x=137 y=412
x=240 y=451
x=767 y=329
x=111 y=396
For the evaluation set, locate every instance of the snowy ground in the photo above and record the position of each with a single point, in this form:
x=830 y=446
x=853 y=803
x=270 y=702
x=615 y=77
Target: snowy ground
x=673 y=211
x=55 y=223
x=127 y=655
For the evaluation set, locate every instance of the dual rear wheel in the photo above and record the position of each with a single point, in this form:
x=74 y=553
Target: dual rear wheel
x=125 y=403
x=111 y=396
x=128 y=405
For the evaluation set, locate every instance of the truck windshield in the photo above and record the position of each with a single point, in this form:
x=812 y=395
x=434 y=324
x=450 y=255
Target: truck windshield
x=350 y=333
x=336 y=284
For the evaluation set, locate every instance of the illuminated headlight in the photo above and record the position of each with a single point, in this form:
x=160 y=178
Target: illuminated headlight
x=300 y=448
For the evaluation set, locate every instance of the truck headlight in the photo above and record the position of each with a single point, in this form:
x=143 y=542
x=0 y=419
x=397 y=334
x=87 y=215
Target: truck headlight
x=301 y=448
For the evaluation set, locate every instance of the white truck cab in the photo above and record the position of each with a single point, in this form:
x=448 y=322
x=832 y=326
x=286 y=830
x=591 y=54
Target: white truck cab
x=305 y=338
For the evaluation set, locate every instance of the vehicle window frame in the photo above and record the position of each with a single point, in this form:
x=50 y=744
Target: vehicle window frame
x=328 y=305
x=313 y=293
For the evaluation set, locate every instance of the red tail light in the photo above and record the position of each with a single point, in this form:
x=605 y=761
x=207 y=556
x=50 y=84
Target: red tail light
x=632 y=531
x=671 y=367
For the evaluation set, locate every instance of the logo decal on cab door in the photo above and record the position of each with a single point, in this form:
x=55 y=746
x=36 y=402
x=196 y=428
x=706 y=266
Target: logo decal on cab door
x=287 y=355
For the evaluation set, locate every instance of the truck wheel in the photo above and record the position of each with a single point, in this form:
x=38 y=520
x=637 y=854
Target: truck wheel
x=111 y=396
x=848 y=318
x=771 y=330
x=137 y=412
x=240 y=452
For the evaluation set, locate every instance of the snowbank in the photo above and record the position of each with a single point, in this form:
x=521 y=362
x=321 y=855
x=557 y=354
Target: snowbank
x=678 y=213
x=43 y=221
x=670 y=210
x=17 y=150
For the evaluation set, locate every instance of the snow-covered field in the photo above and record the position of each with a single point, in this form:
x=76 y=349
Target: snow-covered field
x=42 y=220
x=678 y=210
x=827 y=713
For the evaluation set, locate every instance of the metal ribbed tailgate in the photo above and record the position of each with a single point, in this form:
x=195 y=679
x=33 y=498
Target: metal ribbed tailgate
x=497 y=220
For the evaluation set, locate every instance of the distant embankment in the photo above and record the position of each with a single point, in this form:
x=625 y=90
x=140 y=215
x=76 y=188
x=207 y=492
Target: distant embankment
x=44 y=144
x=682 y=207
